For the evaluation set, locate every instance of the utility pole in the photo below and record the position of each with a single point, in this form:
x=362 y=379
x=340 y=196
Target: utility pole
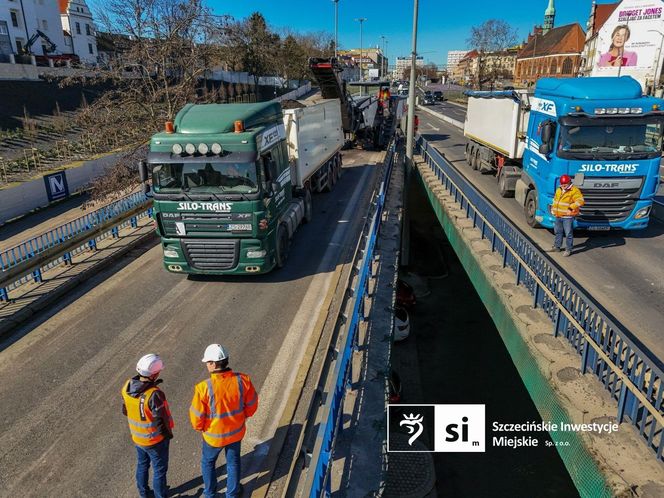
x=336 y=26
x=411 y=92
x=361 y=21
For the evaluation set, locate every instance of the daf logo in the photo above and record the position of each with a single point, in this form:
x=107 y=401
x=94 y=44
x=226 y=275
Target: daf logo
x=606 y=185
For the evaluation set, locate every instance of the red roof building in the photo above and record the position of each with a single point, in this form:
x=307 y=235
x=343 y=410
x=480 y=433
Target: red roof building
x=554 y=54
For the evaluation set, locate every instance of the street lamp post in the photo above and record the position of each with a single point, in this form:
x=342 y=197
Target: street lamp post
x=361 y=21
x=336 y=26
x=411 y=91
x=658 y=72
x=383 y=68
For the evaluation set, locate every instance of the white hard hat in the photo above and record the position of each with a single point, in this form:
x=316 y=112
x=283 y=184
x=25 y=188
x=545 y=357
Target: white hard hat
x=215 y=352
x=149 y=365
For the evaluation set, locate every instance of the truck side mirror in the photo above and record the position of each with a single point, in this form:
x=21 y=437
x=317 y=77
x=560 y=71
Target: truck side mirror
x=544 y=148
x=547 y=132
x=146 y=189
x=143 y=171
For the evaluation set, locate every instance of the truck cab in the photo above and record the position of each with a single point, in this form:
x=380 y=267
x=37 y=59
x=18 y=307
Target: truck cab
x=607 y=136
x=221 y=184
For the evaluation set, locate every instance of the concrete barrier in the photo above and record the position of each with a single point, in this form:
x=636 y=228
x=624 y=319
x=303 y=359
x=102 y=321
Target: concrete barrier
x=24 y=198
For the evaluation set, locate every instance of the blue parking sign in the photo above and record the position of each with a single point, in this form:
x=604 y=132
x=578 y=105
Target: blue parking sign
x=56 y=186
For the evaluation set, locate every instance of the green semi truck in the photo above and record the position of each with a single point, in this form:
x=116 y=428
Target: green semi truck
x=232 y=182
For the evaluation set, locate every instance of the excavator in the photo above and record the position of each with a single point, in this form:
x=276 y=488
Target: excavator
x=49 y=48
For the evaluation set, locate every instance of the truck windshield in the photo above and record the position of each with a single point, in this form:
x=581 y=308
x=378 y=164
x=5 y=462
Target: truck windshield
x=610 y=138
x=205 y=177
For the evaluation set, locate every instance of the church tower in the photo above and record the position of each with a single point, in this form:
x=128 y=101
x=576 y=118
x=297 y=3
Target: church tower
x=549 y=16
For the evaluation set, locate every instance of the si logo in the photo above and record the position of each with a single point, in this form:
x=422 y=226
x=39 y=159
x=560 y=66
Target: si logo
x=436 y=428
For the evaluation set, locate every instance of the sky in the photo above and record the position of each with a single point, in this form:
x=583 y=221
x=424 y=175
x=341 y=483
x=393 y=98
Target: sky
x=442 y=25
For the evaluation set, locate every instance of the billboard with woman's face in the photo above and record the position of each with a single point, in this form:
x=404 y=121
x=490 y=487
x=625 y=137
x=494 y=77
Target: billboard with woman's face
x=629 y=42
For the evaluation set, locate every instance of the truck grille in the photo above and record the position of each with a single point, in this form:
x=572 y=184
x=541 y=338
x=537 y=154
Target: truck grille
x=608 y=205
x=216 y=254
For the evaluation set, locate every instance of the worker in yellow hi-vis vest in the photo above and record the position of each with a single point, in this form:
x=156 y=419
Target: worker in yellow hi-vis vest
x=150 y=424
x=567 y=202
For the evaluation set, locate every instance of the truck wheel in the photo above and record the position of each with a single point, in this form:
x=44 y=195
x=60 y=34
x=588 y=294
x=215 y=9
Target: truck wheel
x=530 y=208
x=476 y=160
x=282 y=246
x=308 y=206
x=502 y=185
x=470 y=151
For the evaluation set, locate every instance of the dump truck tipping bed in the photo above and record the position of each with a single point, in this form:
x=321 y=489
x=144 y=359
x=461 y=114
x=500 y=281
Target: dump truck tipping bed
x=327 y=73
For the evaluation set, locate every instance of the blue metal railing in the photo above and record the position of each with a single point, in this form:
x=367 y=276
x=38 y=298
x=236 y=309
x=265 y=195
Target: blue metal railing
x=12 y=260
x=632 y=374
x=60 y=235
x=318 y=482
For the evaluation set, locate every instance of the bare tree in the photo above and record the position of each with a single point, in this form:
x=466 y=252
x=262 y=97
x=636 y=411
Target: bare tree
x=494 y=35
x=165 y=52
x=428 y=71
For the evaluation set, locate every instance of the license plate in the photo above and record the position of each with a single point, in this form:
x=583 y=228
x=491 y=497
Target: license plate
x=599 y=228
x=234 y=227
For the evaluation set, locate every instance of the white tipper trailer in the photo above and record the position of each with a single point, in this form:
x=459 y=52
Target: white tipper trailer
x=496 y=127
x=315 y=137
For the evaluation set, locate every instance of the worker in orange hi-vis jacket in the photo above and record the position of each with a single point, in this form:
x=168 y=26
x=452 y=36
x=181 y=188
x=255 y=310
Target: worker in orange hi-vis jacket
x=219 y=410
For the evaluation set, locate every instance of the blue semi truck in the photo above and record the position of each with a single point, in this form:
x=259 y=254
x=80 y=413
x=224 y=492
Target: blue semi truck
x=603 y=132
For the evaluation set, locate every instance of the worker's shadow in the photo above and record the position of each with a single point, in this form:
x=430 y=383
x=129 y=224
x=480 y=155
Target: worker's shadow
x=435 y=137
x=259 y=467
x=598 y=241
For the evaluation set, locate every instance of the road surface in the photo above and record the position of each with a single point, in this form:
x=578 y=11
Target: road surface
x=63 y=433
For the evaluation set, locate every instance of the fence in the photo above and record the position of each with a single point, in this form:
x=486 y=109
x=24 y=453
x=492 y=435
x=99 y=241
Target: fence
x=632 y=375
x=318 y=480
x=29 y=259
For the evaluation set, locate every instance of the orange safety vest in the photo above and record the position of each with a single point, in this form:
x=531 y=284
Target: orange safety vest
x=566 y=203
x=221 y=405
x=144 y=428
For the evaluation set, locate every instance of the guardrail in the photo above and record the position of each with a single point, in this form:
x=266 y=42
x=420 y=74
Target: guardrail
x=632 y=375
x=29 y=259
x=318 y=479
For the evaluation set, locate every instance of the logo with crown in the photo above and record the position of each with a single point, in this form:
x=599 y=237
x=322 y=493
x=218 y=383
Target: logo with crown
x=413 y=425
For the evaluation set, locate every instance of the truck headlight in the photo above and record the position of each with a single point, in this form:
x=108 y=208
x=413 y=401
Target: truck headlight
x=170 y=253
x=642 y=213
x=256 y=254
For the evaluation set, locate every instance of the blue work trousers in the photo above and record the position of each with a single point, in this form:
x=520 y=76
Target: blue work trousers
x=564 y=225
x=209 y=465
x=157 y=456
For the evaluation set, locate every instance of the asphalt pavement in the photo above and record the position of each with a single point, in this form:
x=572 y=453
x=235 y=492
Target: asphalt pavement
x=623 y=271
x=63 y=433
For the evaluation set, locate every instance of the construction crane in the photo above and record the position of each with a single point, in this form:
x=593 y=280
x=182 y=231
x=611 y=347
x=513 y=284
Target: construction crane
x=48 y=48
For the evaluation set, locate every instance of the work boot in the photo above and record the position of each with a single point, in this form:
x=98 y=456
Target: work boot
x=567 y=253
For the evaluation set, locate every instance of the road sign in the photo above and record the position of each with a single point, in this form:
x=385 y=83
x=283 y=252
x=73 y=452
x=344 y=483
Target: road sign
x=56 y=186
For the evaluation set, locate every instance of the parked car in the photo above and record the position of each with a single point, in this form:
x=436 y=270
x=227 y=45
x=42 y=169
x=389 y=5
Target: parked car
x=428 y=100
x=438 y=96
x=401 y=324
